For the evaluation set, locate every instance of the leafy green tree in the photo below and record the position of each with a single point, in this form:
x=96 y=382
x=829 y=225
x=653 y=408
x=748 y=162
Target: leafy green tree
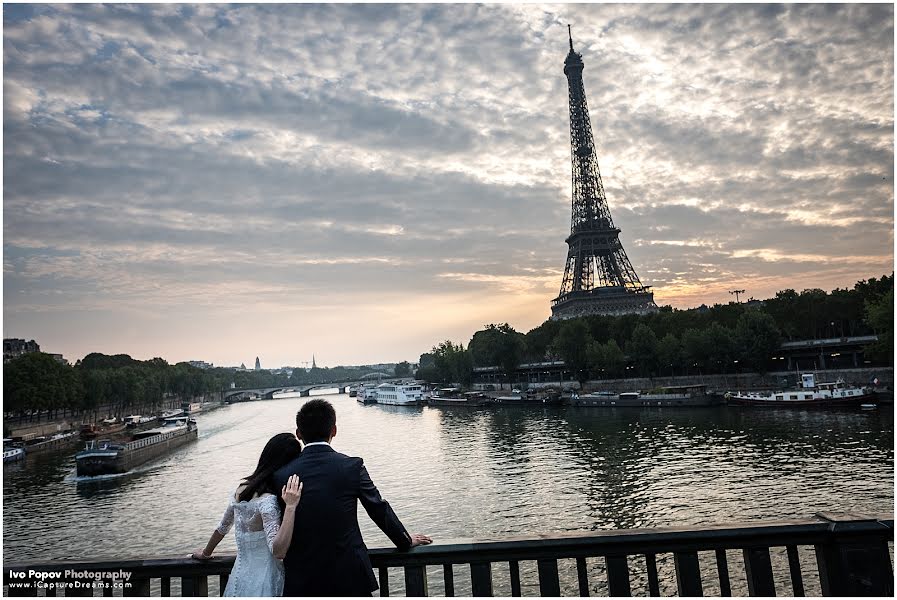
x=880 y=317
x=453 y=363
x=642 y=348
x=607 y=359
x=538 y=340
x=403 y=369
x=697 y=350
x=757 y=338
x=572 y=344
x=720 y=343
x=669 y=353
x=429 y=374
x=498 y=345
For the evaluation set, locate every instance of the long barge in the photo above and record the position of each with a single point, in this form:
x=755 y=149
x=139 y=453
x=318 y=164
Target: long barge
x=670 y=396
x=59 y=441
x=108 y=458
x=454 y=397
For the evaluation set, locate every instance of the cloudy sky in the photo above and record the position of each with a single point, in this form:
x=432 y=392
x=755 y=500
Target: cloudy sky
x=363 y=181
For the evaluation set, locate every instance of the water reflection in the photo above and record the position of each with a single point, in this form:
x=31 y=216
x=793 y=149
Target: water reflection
x=454 y=472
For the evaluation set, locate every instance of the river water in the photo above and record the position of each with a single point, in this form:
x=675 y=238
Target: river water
x=477 y=473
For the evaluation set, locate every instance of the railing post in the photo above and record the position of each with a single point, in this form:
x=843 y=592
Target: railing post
x=549 y=585
x=481 y=579
x=618 y=575
x=855 y=560
x=416 y=581
x=195 y=585
x=758 y=569
x=688 y=574
x=140 y=586
x=84 y=588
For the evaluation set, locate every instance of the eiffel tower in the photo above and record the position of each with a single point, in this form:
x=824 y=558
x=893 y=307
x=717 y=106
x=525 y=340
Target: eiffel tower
x=598 y=278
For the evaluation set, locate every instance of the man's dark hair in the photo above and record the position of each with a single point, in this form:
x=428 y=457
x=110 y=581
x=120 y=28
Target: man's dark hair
x=315 y=420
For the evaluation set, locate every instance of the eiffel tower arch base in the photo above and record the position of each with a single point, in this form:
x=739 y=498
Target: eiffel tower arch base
x=602 y=301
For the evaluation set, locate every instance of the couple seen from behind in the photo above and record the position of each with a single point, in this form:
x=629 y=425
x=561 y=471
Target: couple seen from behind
x=295 y=517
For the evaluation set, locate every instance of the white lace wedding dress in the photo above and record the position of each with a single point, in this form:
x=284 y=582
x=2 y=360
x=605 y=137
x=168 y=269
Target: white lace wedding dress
x=256 y=572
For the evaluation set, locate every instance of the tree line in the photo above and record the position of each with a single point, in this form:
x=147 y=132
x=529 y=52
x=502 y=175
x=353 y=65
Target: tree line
x=717 y=339
x=36 y=382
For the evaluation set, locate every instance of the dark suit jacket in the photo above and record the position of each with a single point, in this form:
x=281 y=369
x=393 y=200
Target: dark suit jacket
x=327 y=555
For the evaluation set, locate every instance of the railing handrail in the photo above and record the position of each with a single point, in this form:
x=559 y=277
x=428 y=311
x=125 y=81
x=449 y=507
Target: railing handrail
x=567 y=544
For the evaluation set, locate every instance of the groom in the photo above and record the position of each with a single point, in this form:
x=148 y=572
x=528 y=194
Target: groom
x=327 y=555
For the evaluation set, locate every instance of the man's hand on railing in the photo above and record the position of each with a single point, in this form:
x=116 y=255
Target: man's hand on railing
x=200 y=555
x=419 y=539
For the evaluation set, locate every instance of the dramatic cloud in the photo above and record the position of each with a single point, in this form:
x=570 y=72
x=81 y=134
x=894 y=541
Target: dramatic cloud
x=361 y=181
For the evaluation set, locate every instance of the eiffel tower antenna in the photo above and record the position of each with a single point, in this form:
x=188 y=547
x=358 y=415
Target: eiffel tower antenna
x=598 y=277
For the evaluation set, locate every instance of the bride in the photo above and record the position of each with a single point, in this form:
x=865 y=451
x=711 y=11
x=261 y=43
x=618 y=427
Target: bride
x=262 y=540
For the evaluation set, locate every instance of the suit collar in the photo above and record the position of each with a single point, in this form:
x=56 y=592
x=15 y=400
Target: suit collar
x=318 y=448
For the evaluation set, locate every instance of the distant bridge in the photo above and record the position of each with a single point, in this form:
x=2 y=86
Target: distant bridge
x=304 y=390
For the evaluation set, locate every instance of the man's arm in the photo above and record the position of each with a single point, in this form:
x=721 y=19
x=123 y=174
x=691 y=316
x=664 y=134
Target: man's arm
x=381 y=512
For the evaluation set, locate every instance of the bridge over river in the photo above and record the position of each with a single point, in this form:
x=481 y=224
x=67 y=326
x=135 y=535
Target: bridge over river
x=267 y=393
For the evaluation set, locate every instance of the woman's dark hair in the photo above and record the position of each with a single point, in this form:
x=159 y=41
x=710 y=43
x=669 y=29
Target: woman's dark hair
x=279 y=450
x=315 y=421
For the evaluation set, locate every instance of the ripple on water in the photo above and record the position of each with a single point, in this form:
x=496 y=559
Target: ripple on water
x=477 y=473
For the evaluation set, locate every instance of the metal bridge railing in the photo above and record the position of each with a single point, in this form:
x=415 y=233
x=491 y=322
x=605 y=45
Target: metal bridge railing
x=840 y=555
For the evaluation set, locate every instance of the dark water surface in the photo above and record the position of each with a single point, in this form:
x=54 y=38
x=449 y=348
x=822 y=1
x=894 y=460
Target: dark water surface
x=452 y=472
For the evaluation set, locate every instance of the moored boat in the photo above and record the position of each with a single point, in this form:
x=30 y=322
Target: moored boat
x=454 y=397
x=167 y=414
x=132 y=421
x=836 y=394
x=366 y=395
x=111 y=426
x=681 y=395
x=399 y=394
x=12 y=453
x=529 y=398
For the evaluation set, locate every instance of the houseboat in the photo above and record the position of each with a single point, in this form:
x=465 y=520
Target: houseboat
x=810 y=395
x=529 y=398
x=669 y=396
x=12 y=453
x=454 y=397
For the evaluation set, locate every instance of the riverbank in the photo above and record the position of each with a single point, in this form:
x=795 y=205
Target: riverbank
x=728 y=382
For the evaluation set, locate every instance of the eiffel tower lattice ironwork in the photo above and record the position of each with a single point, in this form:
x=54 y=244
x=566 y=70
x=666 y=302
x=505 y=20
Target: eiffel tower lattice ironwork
x=598 y=278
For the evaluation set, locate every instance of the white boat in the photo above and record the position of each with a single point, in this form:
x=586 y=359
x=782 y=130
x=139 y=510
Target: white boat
x=402 y=394
x=171 y=413
x=13 y=454
x=366 y=395
x=822 y=395
x=135 y=420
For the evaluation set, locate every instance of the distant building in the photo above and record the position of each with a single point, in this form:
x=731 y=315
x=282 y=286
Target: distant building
x=200 y=364
x=242 y=366
x=14 y=348
x=59 y=358
x=258 y=364
x=313 y=365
